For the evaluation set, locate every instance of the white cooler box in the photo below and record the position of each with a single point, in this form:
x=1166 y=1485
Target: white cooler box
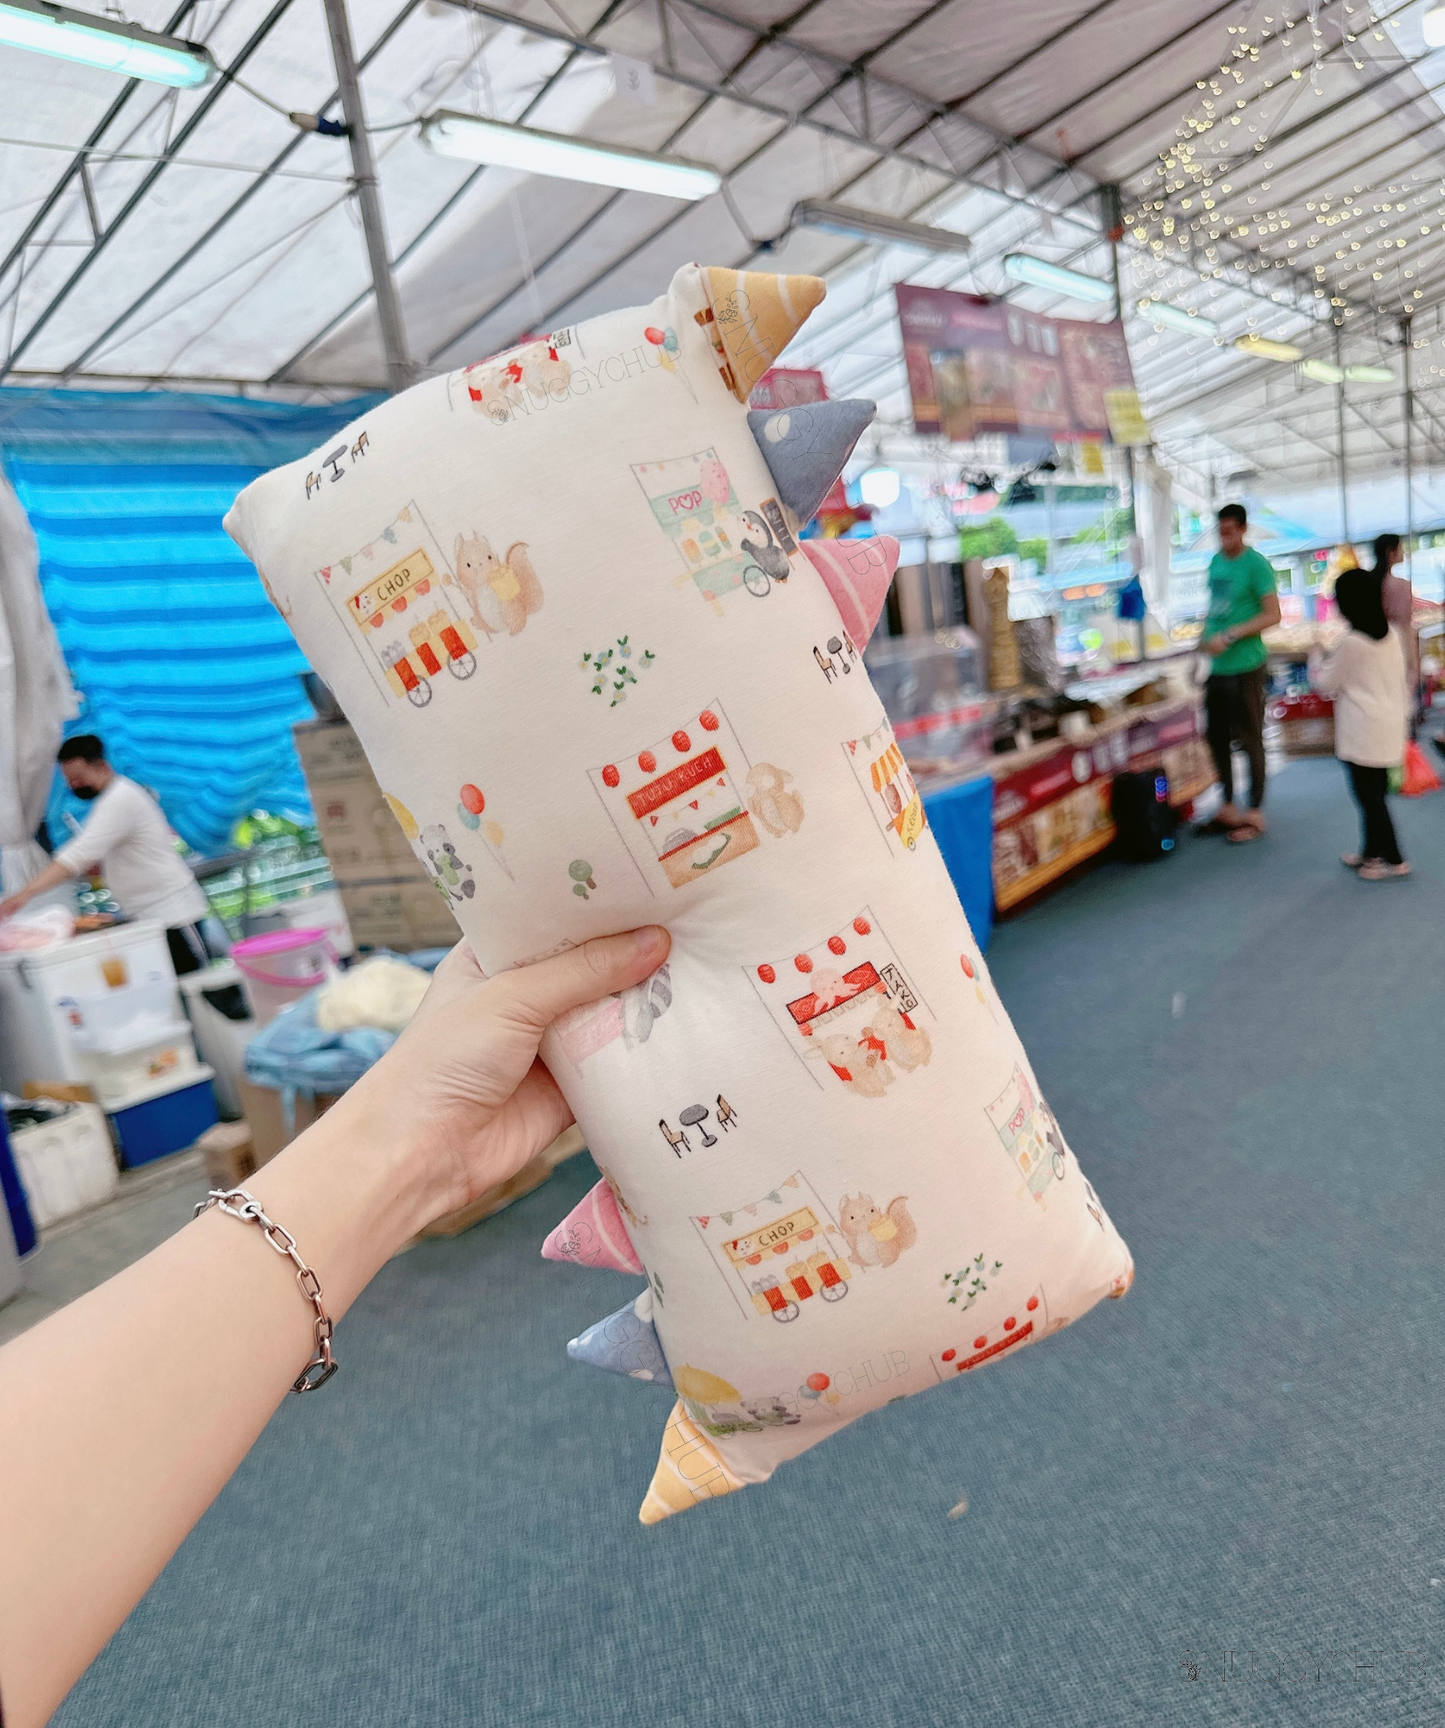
x=65 y=1164
x=131 y=1039
x=40 y=989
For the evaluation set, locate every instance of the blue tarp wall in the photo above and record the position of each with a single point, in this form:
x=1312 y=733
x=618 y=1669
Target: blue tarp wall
x=186 y=671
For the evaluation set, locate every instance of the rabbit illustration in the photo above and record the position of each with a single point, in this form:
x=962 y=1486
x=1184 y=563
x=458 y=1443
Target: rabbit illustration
x=909 y=1046
x=876 y=1238
x=544 y=372
x=779 y=811
x=848 y=1061
x=503 y=594
x=493 y=389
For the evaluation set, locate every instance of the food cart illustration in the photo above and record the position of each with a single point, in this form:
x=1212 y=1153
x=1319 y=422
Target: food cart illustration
x=1019 y=1323
x=777 y=1253
x=678 y=804
x=1029 y=1133
x=848 y=1009
x=723 y=546
x=883 y=776
x=406 y=621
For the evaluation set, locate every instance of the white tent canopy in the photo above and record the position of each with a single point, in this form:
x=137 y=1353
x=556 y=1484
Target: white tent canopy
x=1273 y=159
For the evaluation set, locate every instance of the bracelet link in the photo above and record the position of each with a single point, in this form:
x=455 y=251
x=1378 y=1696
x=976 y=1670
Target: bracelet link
x=238 y=1203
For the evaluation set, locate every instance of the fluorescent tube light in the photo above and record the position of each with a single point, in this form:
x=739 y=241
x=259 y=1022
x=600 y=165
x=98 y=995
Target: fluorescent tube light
x=1264 y=348
x=553 y=153
x=1369 y=375
x=91 y=40
x=1322 y=372
x=1039 y=273
x=1161 y=312
x=1432 y=27
x=855 y=224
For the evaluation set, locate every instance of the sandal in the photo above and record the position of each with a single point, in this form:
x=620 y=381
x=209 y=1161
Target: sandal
x=1245 y=832
x=1352 y=860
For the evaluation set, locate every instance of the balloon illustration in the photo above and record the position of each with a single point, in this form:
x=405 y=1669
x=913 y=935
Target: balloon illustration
x=403 y=815
x=581 y=873
x=665 y=342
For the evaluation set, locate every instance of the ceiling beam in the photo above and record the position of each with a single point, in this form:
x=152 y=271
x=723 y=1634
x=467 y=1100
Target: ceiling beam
x=233 y=210
x=118 y=221
x=77 y=163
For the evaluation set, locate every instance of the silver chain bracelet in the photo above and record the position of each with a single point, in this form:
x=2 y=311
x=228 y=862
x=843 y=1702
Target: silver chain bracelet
x=249 y=1212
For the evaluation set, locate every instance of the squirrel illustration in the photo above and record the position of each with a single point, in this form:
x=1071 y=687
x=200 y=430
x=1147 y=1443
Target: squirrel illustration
x=876 y=1238
x=503 y=593
x=779 y=811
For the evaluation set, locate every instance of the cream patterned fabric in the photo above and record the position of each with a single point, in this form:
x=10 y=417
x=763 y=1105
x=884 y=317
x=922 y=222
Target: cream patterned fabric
x=562 y=604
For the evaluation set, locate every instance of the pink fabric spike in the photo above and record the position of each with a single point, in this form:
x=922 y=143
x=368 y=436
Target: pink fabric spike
x=857 y=573
x=593 y=1234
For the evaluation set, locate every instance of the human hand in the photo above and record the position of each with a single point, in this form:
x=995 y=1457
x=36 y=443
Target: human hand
x=463 y=1090
x=10 y=906
x=1214 y=645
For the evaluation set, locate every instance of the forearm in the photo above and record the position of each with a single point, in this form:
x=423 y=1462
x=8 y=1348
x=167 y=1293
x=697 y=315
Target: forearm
x=51 y=876
x=123 y=1416
x=1255 y=626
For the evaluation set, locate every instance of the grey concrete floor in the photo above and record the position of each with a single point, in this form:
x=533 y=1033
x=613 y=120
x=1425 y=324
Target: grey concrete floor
x=78 y=1253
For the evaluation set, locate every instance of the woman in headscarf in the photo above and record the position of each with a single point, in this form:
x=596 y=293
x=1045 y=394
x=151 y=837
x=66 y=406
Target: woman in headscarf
x=1366 y=677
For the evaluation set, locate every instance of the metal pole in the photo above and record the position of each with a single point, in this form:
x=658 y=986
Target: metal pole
x=1340 y=433
x=368 y=198
x=1406 y=340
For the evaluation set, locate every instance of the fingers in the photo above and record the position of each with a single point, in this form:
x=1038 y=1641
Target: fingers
x=539 y=993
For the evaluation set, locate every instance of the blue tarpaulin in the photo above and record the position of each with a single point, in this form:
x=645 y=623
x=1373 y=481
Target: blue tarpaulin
x=187 y=672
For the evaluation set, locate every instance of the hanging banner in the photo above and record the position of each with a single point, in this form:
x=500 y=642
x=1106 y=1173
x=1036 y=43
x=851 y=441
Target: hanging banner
x=782 y=387
x=980 y=366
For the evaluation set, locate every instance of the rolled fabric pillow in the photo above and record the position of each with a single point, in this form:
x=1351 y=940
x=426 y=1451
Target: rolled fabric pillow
x=565 y=604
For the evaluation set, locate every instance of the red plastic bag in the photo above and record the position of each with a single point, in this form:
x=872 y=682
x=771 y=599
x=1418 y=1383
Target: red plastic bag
x=1420 y=777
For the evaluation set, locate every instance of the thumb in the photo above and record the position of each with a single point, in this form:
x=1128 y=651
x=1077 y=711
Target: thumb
x=541 y=992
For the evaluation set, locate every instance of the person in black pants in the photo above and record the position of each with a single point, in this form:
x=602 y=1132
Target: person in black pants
x=1366 y=677
x=1371 y=787
x=1242 y=604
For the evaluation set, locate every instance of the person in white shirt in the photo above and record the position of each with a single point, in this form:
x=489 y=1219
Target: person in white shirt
x=130 y=840
x=1366 y=677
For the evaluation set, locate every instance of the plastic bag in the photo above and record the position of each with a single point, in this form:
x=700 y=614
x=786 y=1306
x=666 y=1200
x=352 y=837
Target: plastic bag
x=40 y=927
x=381 y=992
x=1419 y=777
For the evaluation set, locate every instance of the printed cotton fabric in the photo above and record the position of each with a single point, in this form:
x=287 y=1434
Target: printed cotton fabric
x=562 y=604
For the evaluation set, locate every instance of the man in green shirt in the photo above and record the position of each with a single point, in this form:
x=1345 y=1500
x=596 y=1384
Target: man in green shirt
x=1242 y=604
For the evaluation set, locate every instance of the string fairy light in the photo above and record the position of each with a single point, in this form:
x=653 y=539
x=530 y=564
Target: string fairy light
x=1323 y=252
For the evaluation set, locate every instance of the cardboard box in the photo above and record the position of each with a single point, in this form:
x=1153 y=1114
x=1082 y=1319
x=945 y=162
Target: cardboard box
x=401 y=914
x=389 y=899
x=363 y=840
x=229 y=1154
x=63 y=1091
x=267 y=1120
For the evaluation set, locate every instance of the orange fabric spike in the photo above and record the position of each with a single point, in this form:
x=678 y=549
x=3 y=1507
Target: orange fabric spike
x=690 y=1469
x=756 y=315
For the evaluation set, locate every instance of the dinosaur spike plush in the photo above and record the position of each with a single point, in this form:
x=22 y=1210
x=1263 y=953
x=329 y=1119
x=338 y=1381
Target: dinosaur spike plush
x=857 y=574
x=593 y=1234
x=753 y=317
x=840 y=1175
x=626 y=1343
x=805 y=448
